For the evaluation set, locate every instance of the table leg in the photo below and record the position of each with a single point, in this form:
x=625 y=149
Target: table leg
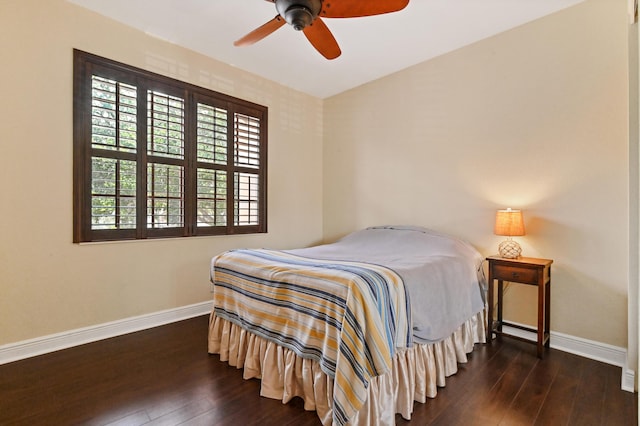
x=547 y=314
x=500 y=303
x=489 y=308
x=541 y=315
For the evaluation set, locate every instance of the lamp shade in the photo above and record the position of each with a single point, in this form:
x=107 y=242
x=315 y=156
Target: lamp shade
x=509 y=222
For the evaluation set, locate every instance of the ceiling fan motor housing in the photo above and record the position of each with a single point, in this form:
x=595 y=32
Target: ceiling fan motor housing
x=299 y=13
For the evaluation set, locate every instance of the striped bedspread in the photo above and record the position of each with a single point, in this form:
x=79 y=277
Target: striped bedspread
x=348 y=316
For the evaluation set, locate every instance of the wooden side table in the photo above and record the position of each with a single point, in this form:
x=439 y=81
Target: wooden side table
x=523 y=270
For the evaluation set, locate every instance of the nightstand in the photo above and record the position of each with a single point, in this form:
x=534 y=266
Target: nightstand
x=523 y=270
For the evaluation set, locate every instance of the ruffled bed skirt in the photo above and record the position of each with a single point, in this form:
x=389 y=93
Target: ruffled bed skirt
x=416 y=373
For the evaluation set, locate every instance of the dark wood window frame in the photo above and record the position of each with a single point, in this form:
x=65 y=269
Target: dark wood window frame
x=203 y=184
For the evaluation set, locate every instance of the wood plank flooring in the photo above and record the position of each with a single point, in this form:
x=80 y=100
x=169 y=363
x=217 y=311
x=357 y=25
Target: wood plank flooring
x=164 y=376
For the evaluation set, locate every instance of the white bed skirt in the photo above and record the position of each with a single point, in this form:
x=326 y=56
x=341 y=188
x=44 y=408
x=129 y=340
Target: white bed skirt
x=416 y=374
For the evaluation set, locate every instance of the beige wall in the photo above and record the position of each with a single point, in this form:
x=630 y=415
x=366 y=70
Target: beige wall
x=535 y=118
x=48 y=284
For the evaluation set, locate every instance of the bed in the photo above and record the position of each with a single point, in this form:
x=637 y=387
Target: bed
x=359 y=329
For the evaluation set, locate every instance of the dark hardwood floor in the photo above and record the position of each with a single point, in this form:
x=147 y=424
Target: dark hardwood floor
x=164 y=376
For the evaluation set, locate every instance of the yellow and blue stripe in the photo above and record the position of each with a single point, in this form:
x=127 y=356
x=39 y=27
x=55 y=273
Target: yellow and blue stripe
x=348 y=316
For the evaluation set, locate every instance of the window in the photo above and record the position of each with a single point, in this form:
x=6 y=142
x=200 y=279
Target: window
x=156 y=157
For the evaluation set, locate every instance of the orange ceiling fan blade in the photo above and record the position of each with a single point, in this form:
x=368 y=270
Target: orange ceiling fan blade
x=321 y=38
x=358 y=8
x=306 y=15
x=260 y=32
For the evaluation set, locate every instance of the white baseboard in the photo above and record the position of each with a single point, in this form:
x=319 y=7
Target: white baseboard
x=603 y=352
x=54 y=342
x=591 y=349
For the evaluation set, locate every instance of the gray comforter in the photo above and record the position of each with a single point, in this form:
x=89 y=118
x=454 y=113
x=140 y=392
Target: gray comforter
x=442 y=274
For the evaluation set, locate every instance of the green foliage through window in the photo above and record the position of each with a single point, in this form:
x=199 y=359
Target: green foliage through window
x=156 y=157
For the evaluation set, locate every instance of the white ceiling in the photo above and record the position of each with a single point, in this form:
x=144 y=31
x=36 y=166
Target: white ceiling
x=372 y=47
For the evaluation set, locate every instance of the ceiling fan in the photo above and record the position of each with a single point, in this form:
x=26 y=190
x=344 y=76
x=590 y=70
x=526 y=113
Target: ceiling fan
x=305 y=16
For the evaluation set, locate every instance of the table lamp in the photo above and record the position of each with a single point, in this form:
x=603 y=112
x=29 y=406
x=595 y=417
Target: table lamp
x=509 y=223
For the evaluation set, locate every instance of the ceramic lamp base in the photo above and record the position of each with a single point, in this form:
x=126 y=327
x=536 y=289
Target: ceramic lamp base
x=509 y=249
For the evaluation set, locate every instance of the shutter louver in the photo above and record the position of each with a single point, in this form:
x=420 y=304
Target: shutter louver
x=155 y=157
x=113 y=166
x=247 y=141
x=165 y=178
